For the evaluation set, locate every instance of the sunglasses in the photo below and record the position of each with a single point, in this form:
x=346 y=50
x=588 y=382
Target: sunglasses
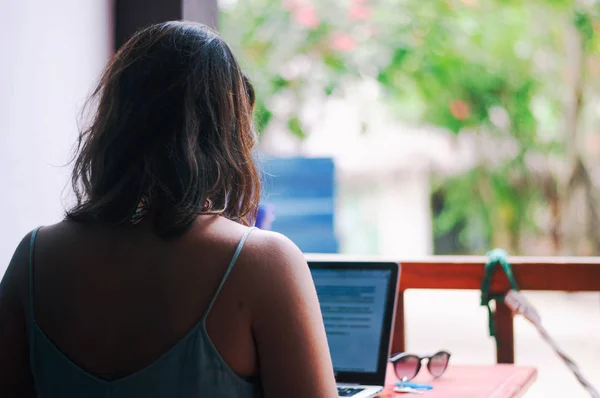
x=407 y=366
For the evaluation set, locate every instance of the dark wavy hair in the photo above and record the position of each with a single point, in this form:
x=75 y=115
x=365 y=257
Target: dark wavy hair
x=173 y=123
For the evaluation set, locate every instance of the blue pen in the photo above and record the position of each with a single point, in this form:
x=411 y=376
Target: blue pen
x=416 y=386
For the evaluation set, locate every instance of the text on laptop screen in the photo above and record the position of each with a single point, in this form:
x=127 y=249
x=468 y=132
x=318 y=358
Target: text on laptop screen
x=353 y=303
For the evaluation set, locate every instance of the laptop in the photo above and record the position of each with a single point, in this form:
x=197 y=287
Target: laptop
x=357 y=301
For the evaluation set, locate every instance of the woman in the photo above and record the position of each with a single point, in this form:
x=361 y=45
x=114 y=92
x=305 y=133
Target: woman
x=154 y=285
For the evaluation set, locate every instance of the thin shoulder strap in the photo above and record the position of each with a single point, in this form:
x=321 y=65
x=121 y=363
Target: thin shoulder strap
x=228 y=271
x=31 y=247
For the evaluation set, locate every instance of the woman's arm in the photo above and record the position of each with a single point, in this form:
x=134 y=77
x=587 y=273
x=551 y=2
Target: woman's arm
x=293 y=355
x=15 y=376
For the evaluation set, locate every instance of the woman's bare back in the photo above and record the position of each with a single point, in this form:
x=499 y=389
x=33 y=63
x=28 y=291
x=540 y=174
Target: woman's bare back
x=115 y=299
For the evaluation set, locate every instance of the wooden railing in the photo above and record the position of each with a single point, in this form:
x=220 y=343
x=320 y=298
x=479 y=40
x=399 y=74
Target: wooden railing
x=571 y=274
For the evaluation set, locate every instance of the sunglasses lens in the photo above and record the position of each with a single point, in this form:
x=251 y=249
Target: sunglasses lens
x=438 y=363
x=407 y=367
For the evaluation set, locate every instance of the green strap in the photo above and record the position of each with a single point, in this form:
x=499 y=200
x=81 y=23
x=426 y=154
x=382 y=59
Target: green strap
x=495 y=257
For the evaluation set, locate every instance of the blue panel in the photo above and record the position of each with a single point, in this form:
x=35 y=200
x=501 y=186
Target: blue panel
x=302 y=193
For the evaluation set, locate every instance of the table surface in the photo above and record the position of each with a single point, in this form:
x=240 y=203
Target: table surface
x=494 y=381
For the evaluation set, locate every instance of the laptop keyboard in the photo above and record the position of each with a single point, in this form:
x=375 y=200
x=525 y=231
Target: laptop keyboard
x=348 y=391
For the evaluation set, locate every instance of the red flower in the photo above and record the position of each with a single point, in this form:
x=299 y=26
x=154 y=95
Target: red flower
x=359 y=12
x=460 y=109
x=343 y=42
x=306 y=16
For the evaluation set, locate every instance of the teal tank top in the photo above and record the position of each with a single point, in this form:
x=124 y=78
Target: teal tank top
x=191 y=368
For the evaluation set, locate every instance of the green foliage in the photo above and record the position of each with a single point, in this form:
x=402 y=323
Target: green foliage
x=295 y=127
x=262 y=115
x=463 y=65
x=584 y=24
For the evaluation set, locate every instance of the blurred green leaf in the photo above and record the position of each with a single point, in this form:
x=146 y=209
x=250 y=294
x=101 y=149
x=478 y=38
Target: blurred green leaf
x=295 y=127
x=278 y=83
x=336 y=63
x=262 y=116
x=583 y=22
x=330 y=88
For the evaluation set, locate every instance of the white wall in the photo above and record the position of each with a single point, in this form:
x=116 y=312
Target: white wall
x=404 y=215
x=51 y=53
x=387 y=214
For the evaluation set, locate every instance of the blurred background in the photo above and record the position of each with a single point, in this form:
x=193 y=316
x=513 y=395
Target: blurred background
x=402 y=128
x=457 y=124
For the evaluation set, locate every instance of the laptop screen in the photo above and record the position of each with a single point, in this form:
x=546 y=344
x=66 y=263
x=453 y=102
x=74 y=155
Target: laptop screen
x=353 y=303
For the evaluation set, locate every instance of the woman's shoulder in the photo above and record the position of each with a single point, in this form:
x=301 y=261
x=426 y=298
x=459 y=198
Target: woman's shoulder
x=16 y=275
x=24 y=250
x=261 y=248
x=270 y=251
x=15 y=282
x=59 y=230
x=272 y=266
x=266 y=256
